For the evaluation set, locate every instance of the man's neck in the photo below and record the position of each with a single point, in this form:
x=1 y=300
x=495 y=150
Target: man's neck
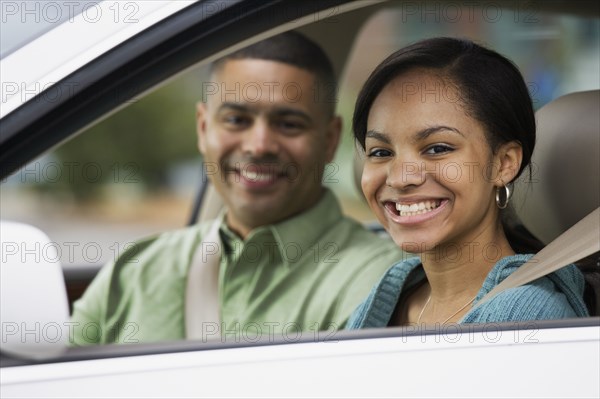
x=244 y=228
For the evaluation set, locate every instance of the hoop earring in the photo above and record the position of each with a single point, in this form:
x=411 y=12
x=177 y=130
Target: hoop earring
x=507 y=194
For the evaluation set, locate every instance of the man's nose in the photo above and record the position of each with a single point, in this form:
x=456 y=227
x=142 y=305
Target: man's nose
x=260 y=140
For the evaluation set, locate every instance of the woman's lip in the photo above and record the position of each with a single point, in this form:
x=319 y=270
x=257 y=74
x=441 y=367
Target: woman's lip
x=415 y=200
x=415 y=219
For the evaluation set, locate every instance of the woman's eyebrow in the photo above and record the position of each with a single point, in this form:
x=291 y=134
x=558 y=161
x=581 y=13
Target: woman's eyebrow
x=374 y=134
x=423 y=134
x=419 y=136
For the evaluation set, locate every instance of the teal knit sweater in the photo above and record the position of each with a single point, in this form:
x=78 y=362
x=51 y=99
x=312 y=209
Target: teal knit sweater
x=558 y=295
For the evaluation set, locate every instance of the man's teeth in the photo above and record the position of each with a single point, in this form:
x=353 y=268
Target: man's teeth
x=256 y=176
x=417 y=208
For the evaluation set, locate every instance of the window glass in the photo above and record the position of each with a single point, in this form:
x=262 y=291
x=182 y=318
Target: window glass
x=131 y=175
x=136 y=172
x=556 y=54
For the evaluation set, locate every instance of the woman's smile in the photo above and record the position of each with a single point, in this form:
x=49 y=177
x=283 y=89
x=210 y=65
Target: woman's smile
x=410 y=212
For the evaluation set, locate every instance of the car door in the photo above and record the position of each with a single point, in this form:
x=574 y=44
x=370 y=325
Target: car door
x=485 y=360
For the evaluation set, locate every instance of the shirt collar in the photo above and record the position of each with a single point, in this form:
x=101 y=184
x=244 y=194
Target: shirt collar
x=302 y=230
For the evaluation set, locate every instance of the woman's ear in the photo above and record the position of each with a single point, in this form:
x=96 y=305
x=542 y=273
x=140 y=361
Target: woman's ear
x=509 y=157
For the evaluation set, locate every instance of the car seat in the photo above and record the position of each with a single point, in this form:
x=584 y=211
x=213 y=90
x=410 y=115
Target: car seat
x=564 y=185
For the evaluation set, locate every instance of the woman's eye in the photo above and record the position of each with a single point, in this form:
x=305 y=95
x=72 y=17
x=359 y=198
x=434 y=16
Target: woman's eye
x=438 y=149
x=379 y=153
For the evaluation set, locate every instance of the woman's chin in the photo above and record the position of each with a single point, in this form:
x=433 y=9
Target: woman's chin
x=414 y=245
x=411 y=247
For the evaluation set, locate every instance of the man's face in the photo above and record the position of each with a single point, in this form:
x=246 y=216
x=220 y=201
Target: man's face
x=265 y=140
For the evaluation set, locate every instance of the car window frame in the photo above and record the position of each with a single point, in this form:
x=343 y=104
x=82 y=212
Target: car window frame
x=23 y=139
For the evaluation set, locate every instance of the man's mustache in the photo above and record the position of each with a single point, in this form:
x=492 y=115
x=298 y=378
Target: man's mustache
x=271 y=165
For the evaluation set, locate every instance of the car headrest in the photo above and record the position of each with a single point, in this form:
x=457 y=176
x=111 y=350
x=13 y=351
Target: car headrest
x=34 y=307
x=566 y=161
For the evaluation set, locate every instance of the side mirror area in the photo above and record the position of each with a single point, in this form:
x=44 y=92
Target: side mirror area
x=34 y=312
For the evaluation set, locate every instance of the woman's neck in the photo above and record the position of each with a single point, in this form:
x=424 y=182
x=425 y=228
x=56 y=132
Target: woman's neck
x=457 y=271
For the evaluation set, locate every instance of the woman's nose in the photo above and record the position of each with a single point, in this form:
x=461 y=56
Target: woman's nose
x=404 y=173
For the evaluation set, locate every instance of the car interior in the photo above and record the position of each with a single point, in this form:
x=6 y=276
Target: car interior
x=544 y=208
x=561 y=192
x=564 y=186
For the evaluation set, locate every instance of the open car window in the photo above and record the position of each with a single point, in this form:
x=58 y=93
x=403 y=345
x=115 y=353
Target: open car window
x=135 y=171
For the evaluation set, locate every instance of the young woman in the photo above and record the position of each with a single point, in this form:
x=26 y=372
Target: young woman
x=447 y=126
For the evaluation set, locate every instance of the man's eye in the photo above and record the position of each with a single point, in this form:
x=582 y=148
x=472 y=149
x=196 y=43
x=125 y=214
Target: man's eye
x=438 y=149
x=235 y=120
x=379 y=153
x=290 y=126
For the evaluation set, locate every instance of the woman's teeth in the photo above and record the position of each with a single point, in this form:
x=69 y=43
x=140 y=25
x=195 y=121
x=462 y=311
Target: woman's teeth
x=417 y=208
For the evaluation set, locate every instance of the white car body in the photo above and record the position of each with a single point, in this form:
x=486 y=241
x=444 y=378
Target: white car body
x=549 y=363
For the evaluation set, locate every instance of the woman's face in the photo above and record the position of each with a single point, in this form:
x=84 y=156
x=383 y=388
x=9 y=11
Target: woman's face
x=429 y=174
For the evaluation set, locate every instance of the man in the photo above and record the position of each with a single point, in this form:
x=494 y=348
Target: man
x=288 y=260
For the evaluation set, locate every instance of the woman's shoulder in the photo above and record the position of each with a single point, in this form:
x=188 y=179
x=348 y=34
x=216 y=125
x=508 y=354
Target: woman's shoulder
x=402 y=268
x=394 y=280
x=555 y=296
x=378 y=306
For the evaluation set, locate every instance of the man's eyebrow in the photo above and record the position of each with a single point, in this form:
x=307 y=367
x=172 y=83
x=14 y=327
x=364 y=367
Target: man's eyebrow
x=423 y=134
x=374 y=134
x=235 y=107
x=286 y=111
x=275 y=112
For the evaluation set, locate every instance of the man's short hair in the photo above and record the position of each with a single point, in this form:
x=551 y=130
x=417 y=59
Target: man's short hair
x=294 y=49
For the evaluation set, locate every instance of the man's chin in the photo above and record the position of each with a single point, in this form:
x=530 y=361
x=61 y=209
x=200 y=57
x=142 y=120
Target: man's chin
x=261 y=213
x=259 y=210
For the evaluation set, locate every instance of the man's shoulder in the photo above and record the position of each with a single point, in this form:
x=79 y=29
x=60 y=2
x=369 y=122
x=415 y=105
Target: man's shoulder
x=356 y=235
x=348 y=245
x=181 y=236
x=172 y=247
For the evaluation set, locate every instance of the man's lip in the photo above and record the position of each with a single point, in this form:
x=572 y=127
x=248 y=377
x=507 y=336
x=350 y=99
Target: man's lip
x=256 y=178
x=268 y=169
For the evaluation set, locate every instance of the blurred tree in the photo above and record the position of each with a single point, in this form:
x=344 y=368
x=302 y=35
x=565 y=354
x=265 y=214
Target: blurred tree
x=134 y=146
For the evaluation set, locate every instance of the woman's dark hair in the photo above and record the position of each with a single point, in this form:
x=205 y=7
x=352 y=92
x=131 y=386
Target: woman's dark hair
x=491 y=89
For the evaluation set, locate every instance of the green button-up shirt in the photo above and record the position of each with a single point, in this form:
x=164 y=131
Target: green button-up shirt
x=305 y=274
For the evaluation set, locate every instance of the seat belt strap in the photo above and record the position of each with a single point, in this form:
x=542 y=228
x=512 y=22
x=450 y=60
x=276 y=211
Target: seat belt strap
x=579 y=241
x=202 y=310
